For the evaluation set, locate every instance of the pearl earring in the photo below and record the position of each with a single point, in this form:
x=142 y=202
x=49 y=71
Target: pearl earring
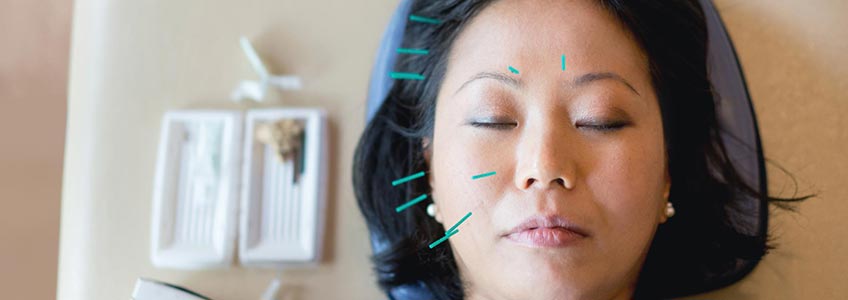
x=669 y=209
x=431 y=210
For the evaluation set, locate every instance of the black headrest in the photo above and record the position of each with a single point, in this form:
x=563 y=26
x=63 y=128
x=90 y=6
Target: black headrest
x=736 y=115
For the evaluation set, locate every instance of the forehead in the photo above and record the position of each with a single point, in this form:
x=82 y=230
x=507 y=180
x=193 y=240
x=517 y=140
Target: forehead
x=532 y=35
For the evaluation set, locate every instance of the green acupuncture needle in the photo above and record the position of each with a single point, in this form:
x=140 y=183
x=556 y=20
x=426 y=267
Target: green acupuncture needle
x=413 y=51
x=403 y=75
x=408 y=178
x=450 y=231
x=441 y=240
x=453 y=228
x=411 y=203
x=416 y=18
x=475 y=177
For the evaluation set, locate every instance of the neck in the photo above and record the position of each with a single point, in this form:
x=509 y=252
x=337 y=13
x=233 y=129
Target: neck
x=623 y=294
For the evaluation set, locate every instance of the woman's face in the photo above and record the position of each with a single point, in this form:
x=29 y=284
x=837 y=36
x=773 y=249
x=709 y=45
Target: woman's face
x=582 y=145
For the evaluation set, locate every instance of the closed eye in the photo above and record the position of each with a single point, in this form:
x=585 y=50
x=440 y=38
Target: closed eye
x=604 y=127
x=494 y=125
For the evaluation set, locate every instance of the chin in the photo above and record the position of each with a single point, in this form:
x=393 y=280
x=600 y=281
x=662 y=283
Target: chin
x=552 y=291
x=550 y=274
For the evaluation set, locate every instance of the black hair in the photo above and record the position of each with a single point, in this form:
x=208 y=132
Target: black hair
x=703 y=247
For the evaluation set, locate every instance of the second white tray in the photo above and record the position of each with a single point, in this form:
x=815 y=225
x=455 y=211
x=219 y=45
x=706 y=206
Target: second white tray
x=281 y=222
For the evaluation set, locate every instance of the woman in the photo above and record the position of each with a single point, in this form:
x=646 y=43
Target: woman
x=593 y=124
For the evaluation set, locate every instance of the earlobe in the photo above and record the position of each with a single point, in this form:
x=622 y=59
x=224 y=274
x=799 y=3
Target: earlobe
x=664 y=210
x=433 y=212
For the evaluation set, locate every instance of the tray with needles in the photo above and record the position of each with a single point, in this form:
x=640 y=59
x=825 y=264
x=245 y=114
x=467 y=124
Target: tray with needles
x=283 y=187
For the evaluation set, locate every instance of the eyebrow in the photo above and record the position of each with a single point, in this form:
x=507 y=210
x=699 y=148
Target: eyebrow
x=578 y=82
x=509 y=80
x=591 y=77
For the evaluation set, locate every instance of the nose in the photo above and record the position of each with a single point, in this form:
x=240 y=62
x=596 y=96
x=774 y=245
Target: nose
x=545 y=159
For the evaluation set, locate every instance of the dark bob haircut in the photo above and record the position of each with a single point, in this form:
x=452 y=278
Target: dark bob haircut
x=702 y=244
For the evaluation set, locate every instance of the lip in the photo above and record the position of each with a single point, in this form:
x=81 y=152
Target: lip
x=551 y=231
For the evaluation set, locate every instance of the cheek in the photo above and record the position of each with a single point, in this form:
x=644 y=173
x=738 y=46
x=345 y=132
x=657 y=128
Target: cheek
x=461 y=152
x=458 y=155
x=627 y=180
x=456 y=159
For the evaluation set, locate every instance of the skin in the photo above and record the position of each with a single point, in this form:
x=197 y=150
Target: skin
x=549 y=154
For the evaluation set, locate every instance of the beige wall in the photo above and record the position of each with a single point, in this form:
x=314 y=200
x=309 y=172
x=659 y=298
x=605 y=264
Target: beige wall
x=132 y=60
x=795 y=57
x=34 y=43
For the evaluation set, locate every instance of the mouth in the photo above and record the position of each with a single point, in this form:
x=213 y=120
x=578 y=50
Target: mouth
x=546 y=232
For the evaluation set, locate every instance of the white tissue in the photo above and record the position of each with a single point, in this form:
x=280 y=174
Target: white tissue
x=257 y=90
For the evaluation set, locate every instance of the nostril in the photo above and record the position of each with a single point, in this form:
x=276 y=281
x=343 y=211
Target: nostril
x=530 y=182
x=560 y=182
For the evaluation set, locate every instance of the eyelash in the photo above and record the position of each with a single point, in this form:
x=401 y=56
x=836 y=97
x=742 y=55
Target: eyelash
x=609 y=127
x=496 y=126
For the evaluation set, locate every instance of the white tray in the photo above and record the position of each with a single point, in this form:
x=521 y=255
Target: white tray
x=281 y=222
x=195 y=190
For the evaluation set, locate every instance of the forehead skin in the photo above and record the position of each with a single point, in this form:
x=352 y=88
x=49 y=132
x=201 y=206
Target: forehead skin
x=589 y=42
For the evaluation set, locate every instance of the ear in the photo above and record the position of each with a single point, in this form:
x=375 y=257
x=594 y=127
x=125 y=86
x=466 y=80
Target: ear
x=666 y=193
x=667 y=187
x=427 y=151
x=426 y=148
